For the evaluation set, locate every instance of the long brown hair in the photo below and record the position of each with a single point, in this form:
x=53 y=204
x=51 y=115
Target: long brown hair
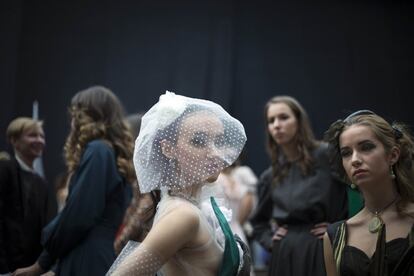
x=97 y=113
x=304 y=139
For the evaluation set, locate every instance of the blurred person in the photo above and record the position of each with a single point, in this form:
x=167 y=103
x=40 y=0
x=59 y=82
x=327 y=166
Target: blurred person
x=238 y=184
x=239 y=187
x=298 y=195
x=24 y=202
x=377 y=157
x=98 y=153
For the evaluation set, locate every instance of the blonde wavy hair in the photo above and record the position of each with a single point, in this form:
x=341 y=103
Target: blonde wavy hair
x=96 y=113
x=390 y=135
x=304 y=140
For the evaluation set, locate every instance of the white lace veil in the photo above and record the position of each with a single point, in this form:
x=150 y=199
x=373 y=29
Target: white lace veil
x=183 y=142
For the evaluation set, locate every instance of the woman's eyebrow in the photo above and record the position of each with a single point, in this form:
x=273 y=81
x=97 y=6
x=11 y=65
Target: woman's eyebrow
x=364 y=141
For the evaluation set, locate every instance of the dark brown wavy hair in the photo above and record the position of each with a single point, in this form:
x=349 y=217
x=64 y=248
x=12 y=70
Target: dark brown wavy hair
x=97 y=113
x=304 y=140
x=389 y=135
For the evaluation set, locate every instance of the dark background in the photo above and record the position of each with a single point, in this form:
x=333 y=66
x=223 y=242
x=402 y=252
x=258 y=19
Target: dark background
x=333 y=56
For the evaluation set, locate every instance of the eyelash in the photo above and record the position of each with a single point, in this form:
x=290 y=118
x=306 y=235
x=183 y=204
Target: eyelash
x=364 y=147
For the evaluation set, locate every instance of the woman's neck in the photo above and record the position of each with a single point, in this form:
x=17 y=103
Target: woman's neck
x=380 y=196
x=191 y=193
x=291 y=151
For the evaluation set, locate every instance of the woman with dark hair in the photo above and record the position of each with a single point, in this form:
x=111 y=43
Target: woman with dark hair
x=183 y=145
x=98 y=153
x=377 y=157
x=298 y=195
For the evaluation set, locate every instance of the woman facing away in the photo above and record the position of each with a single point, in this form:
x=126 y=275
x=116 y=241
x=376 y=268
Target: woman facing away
x=298 y=194
x=98 y=154
x=377 y=157
x=183 y=144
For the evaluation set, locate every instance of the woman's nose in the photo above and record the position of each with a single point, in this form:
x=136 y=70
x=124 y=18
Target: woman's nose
x=213 y=152
x=276 y=123
x=356 y=160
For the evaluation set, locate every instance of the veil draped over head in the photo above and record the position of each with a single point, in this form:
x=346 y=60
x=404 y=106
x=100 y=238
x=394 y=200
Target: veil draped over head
x=183 y=141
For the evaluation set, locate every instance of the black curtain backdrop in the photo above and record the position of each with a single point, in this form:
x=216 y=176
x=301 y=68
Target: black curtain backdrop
x=333 y=56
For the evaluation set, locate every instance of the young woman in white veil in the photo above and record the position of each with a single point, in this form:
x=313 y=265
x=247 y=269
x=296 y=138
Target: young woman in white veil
x=184 y=144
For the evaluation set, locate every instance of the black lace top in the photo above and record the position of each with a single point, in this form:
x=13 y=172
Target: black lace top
x=355 y=262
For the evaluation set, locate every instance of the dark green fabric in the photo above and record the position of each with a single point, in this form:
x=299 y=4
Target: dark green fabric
x=355 y=202
x=231 y=258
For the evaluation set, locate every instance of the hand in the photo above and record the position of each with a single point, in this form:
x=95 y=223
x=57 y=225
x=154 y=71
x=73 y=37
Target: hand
x=319 y=229
x=49 y=273
x=33 y=270
x=280 y=233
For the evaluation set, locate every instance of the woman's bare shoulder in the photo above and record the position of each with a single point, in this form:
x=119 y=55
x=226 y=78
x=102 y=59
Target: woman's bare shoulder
x=357 y=220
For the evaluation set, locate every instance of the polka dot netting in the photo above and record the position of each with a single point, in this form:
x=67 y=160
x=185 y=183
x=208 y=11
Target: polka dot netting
x=183 y=142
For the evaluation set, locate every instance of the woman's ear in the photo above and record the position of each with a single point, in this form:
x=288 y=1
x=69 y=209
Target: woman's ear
x=394 y=155
x=167 y=148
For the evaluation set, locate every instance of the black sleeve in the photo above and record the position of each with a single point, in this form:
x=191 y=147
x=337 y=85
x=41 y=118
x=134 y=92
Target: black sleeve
x=4 y=180
x=45 y=261
x=262 y=214
x=85 y=203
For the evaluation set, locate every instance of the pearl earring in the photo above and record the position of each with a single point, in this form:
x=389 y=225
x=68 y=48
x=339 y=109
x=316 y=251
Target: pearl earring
x=392 y=174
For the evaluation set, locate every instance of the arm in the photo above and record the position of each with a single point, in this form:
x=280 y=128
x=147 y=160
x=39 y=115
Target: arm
x=328 y=256
x=86 y=201
x=263 y=212
x=173 y=232
x=246 y=206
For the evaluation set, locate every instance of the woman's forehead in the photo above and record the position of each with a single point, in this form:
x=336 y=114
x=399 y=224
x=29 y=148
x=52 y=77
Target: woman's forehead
x=202 y=120
x=356 y=133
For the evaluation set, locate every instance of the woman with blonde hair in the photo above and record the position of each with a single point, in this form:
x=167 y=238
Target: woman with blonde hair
x=377 y=157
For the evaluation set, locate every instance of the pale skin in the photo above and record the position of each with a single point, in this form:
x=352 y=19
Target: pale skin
x=367 y=164
x=29 y=145
x=282 y=125
x=183 y=223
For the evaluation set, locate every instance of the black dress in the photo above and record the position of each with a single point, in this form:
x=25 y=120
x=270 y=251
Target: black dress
x=300 y=202
x=81 y=237
x=394 y=257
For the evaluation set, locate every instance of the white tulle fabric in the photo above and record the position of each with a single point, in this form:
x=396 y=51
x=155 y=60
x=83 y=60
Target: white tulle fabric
x=183 y=141
x=183 y=144
x=142 y=261
x=203 y=260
